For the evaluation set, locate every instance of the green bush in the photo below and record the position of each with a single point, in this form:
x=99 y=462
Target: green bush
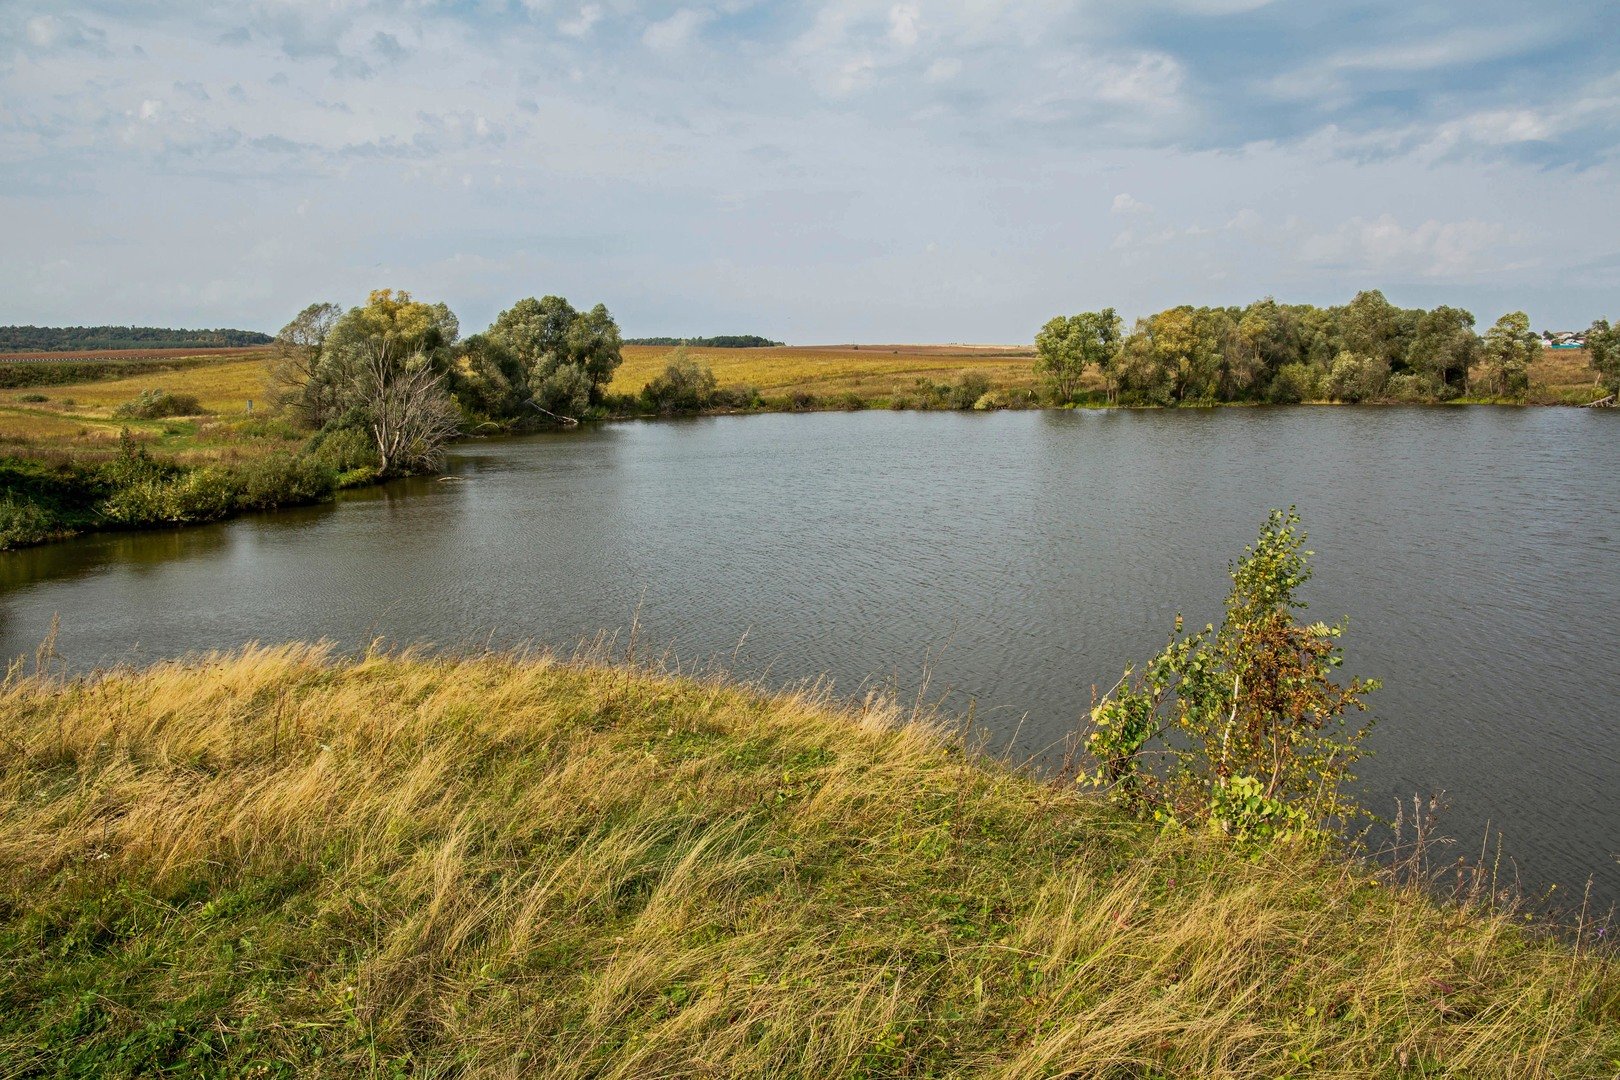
x=157 y=405
x=1406 y=387
x=33 y=398
x=1241 y=730
x=202 y=494
x=737 y=397
x=969 y=388
x=343 y=449
x=686 y=385
x=1293 y=384
x=284 y=480
x=23 y=522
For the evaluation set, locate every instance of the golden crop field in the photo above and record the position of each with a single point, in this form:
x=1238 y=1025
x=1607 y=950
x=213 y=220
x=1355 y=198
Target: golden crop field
x=869 y=370
x=77 y=418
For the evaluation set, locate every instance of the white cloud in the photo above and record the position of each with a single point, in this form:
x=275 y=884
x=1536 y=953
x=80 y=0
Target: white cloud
x=1126 y=203
x=903 y=24
x=676 y=32
x=150 y=108
x=1433 y=248
x=943 y=69
x=582 y=24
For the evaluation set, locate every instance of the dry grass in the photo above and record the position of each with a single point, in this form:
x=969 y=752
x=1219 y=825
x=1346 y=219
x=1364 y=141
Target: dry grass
x=872 y=371
x=280 y=863
x=76 y=420
x=224 y=387
x=1564 y=376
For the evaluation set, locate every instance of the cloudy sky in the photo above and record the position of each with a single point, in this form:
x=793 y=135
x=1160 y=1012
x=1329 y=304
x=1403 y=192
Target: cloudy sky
x=836 y=170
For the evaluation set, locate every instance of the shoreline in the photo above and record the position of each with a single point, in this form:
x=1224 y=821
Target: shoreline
x=358 y=483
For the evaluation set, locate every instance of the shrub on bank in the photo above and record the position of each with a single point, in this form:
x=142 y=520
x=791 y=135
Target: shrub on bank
x=158 y=405
x=284 y=480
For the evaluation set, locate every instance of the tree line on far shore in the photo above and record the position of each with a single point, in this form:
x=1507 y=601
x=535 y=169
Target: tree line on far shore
x=109 y=338
x=1366 y=350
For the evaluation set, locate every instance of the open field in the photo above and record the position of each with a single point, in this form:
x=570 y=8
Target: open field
x=1564 y=376
x=871 y=371
x=280 y=864
x=78 y=419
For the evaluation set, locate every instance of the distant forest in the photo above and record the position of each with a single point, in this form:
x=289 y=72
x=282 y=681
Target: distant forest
x=87 y=338
x=724 y=341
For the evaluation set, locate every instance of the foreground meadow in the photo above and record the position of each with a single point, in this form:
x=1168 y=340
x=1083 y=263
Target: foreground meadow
x=283 y=863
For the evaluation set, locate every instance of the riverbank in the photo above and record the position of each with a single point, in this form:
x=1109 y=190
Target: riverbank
x=279 y=862
x=72 y=459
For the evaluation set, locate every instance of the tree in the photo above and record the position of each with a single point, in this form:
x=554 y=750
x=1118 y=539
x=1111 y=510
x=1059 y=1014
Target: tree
x=1509 y=350
x=1603 y=346
x=548 y=335
x=1373 y=327
x=1445 y=346
x=1065 y=346
x=382 y=368
x=295 y=360
x=1355 y=378
x=408 y=413
x=1242 y=730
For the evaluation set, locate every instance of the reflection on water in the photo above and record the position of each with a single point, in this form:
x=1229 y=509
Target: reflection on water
x=1022 y=557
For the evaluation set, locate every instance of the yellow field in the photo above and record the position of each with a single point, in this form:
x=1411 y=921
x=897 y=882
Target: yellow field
x=222 y=388
x=78 y=418
x=868 y=370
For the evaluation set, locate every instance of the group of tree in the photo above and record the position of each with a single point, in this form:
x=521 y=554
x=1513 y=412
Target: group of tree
x=397 y=373
x=109 y=338
x=1366 y=350
x=723 y=341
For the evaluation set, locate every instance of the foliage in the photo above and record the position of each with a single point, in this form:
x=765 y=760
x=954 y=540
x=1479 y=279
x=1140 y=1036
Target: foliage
x=1444 y=347
x=1509 y=349
x=557 y=356
x=1243 y=729
x=1356 y=378
x=97 y=338
x=1294 y=383
x=1603 y=344
x=723 y=341
x=157 y=404
x=295 y=367
x=687 y=385
x=1065 y=347
x=284 y=480
x=281 y=863
x=1366 y=350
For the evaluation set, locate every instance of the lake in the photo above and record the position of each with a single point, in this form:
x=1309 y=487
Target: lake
x=1012 y=559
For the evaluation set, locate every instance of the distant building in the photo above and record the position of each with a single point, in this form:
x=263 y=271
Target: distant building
x=1564 y=339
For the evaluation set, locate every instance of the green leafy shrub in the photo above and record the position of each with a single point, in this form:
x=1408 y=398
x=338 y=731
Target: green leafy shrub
x=685 y=385
x=343 y=449
x=1407 y=387
x=1243 y=729
x=970 y=386
x=1293 y=384
x=203 y=494
x=23 y=521
x=33 y=399
x=737 y=397
x=284 y=480
x=158 y=405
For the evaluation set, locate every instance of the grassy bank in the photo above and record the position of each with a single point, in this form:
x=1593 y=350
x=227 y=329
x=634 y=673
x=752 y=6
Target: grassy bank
x=85 y=456
x=278 y=863
x=64 y=449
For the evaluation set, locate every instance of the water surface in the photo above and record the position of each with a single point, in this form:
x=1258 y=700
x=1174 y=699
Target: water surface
x=1020 y=558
